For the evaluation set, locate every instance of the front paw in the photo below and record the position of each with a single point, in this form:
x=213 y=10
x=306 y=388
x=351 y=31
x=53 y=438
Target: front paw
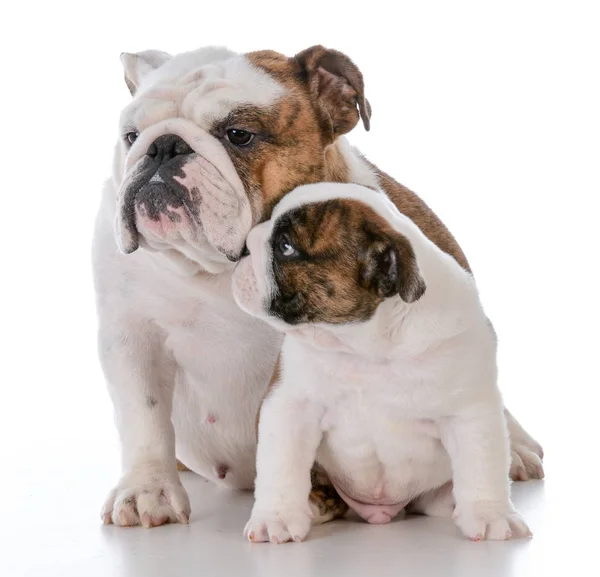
x=482 y=520
x=149 y=499
x=279 y=524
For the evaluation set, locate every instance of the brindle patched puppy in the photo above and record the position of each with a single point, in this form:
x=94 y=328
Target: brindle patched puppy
x=388 y=374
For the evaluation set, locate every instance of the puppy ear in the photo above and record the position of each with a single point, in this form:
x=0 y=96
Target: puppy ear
x=140 y=64
x=336 y=84
x=388 y=267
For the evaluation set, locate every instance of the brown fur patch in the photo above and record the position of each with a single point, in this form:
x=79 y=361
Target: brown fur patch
x=293 y=138
x=287 y=150
x=181 y=466
x=348 y=261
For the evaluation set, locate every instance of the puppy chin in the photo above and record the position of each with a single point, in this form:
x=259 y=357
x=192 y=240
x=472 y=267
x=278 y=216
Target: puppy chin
x=245 y=289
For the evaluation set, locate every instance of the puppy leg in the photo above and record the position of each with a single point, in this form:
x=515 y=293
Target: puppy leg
x=526 y=452
x=477 y=442
x=140 y=381
x=289 y=434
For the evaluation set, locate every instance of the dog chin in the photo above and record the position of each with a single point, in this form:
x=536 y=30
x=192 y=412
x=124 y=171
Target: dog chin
x=187 y=259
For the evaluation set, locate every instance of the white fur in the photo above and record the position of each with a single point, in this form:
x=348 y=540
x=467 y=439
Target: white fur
x=393 y=408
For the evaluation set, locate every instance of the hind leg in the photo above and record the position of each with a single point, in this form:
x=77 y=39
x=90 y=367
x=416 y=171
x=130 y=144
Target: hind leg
x=325 y=502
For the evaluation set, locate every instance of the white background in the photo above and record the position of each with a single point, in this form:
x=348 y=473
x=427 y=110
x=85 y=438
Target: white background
x=489 y=110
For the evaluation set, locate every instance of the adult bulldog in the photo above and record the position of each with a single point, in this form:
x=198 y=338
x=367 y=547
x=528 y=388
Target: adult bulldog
x=209 y=143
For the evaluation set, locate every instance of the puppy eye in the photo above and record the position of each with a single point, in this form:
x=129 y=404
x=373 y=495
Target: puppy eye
x=239 y=137
x=131 y=137
x=285 y=247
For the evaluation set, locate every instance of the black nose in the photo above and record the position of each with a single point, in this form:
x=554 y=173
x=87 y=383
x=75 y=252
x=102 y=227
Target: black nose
x=168 y=146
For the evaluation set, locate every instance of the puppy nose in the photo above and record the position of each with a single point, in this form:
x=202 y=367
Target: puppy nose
x=168 y=146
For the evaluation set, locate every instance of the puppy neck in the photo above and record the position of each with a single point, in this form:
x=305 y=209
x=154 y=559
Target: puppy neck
x=448 y=307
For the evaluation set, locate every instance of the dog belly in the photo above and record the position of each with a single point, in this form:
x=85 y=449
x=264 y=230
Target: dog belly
x=218 y=391
x=378 y=477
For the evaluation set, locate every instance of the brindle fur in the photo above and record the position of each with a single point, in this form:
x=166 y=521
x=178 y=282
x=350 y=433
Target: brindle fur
x=343 y=268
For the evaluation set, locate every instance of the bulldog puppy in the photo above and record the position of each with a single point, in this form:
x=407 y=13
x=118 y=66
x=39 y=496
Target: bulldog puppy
x=387 y=374
x=209 y=143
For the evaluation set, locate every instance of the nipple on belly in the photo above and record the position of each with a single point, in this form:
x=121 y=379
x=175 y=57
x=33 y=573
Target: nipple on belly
x=378 y=491
x=221 y=471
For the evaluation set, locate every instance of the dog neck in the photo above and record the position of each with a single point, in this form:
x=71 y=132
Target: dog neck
x=344 y=163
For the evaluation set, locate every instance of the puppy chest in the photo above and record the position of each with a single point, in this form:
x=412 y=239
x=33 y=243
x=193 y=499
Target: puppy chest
x=378 y=456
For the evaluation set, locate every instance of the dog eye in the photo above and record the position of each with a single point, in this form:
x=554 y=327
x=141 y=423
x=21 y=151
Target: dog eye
x=285 y=247
x=239 y=137
x=131 y=137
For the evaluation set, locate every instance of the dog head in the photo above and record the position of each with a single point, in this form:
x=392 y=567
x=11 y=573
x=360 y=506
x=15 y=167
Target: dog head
x=212 y=140
x=331 y=253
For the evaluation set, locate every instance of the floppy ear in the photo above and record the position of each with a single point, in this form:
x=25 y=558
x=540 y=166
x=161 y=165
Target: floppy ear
x=388 y=267
x=140 y=64
x=336 y=85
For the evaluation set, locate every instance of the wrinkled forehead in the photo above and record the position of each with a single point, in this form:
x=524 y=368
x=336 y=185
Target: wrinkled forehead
x=204 y=86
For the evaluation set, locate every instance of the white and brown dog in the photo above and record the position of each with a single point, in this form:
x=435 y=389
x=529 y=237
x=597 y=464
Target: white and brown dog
x=210 y=142
x=387 y=375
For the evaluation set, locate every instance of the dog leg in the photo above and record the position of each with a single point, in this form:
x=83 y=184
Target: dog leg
x=477 y=442
x=289 y=434
x=324 y=501
x=140 y=381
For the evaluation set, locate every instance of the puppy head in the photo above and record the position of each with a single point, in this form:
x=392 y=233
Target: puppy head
x=328 y=255
x=212 y=140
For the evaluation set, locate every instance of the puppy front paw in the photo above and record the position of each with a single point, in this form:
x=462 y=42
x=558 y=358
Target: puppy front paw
x=279 y=524
x=492 y=521
x=149 y=500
